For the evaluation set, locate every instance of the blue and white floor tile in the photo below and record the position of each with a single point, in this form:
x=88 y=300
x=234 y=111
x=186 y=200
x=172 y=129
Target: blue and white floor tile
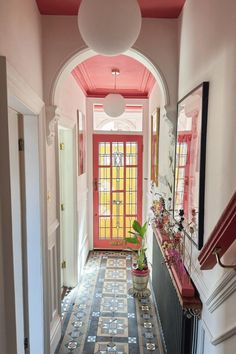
x=100 y=317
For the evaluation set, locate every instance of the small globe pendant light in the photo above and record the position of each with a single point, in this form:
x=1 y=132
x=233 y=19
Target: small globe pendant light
x=114 y=103
x=109 y=27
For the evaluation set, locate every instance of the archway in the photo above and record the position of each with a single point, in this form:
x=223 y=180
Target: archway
x=87 y=53
x=54 y=102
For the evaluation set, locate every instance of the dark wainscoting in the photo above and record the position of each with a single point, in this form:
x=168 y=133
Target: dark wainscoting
x=178 y=330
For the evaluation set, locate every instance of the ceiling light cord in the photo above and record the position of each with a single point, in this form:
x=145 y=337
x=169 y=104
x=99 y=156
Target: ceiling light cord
x=115 y=72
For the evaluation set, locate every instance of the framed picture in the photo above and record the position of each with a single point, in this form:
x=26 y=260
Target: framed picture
x=81 y=143
x=155 y=126
x=190 y=155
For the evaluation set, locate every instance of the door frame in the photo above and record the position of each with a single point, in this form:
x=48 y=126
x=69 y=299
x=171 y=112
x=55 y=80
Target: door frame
x=69 y=125
x=16 y=93
x=89 y=148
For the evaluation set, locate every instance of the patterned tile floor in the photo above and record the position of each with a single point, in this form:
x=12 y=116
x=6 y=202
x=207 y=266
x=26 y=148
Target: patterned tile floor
x=100 y=317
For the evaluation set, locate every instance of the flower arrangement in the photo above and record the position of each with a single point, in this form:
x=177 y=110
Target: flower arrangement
x=172 y=231
x=177 y=251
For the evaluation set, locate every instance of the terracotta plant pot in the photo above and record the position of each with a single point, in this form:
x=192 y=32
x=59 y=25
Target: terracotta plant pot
x=140 y=282
x=140 y=279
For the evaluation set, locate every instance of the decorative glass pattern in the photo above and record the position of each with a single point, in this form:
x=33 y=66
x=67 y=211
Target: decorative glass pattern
x=130 y=121
x=117 y=188
x=104 y=154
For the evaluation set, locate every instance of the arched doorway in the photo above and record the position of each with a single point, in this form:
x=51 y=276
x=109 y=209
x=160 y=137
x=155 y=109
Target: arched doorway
x=56 y=90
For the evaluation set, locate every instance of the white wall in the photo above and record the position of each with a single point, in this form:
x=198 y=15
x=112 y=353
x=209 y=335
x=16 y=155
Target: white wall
x=157 y=40
x=2 y=295
x=20 y=40
x=21 y=43
x=208 y=53
x=166 y=157
x=69 y=99
x=166 y=143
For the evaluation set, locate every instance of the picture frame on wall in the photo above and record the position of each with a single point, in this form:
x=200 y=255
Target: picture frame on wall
x=190 y=156
x=155 y=127
x=81 y=142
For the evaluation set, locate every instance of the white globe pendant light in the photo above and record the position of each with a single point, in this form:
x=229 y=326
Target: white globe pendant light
x=109 y=27
x=114 y=103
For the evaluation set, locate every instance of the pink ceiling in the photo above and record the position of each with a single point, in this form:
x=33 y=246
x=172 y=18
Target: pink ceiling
x=149 y=8
x=95 y=78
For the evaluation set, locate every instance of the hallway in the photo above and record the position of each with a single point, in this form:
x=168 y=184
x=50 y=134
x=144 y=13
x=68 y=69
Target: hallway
x=99 y=316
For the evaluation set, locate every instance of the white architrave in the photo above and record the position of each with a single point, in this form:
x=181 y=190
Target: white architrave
x=24 y=100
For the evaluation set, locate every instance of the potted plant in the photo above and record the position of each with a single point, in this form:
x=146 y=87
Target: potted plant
x=140 y=271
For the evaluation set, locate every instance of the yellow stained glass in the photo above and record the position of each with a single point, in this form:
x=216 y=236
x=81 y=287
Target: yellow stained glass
x=104 y=172
x=104 y=154
x=104 y=228
x=117 y=178
x=131 y=185
x=104 y=198
x=131 y=154
x=104 y=233
x=131 y=172
x=117 y=203
x=117 y=184
x=131 y=205
x=117 y=172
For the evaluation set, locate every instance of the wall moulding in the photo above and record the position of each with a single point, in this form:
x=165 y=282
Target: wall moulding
x=28 y=100
x=171 y=115
x=217 y=339
x=52 y=118
x=53 y=227
x=224 y=336
x=225 y=288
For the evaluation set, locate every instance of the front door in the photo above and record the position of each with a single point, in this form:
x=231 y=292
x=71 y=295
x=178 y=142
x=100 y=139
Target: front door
x=117 y=193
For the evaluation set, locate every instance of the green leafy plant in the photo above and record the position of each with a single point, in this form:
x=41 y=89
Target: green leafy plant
x=138 y=238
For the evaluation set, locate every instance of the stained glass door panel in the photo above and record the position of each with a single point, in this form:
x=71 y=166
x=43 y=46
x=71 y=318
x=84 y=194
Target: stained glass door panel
x=117 y=187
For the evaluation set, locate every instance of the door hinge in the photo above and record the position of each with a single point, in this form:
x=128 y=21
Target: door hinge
x=63 y=264
x=62 y=146
x=26 y=343
x=21 y=144
x=62 y=207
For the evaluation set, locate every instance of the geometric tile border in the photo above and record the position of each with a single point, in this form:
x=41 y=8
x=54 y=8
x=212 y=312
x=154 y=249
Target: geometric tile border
x=99 y=316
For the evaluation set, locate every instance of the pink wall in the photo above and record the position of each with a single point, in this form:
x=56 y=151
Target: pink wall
x=20 y=40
